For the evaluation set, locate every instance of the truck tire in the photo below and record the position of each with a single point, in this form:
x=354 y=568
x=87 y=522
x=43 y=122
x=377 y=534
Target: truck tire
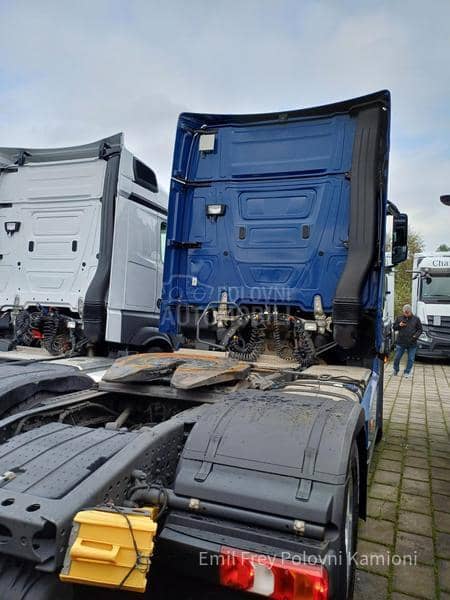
x=19 y=580
x=349 y=529
x=153 y=349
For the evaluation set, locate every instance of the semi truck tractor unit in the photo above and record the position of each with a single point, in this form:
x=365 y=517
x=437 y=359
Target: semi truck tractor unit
x=431 y=303
x=240 y=459
x=82 y=234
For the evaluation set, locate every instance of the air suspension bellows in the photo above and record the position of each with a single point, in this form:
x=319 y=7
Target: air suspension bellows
x=50 y=324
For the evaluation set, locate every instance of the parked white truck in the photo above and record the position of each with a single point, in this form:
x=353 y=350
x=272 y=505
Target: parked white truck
x=82 y=236
x=431 y=302
x=389 y=303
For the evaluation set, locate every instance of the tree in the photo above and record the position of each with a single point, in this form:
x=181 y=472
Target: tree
x=443 y=248
x=403 y=279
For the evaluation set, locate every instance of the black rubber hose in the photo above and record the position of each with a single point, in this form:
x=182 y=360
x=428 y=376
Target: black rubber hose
x=251 y=349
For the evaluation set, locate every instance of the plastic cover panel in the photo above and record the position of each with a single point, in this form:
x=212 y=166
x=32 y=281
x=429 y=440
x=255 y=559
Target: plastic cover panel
x=256 y=453
x=52 y=460
x=61 y=468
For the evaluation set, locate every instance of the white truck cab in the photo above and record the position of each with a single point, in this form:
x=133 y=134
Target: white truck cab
x=82 y=236
x=431 y=302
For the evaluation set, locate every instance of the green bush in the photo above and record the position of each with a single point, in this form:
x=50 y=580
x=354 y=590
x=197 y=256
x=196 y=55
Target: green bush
x=403 y=279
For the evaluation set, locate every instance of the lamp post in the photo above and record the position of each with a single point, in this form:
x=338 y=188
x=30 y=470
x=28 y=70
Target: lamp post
x=445 y=199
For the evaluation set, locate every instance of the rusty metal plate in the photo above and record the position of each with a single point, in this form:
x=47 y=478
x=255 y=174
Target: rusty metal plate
x=187 y=370
x=142 y=367
x=198 y=373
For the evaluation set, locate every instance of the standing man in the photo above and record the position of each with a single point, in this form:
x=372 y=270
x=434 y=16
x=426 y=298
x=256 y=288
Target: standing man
x=409 y=329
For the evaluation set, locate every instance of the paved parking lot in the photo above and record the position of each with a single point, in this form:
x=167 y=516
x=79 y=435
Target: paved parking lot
x=404 y=546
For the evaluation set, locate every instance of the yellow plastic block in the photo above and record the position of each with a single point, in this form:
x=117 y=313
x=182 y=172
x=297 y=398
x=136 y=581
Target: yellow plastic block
x=101 y=550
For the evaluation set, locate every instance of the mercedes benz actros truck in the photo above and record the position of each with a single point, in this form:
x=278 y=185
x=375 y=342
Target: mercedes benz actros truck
x=82 y=235
x=431 y=302
x=240 y=459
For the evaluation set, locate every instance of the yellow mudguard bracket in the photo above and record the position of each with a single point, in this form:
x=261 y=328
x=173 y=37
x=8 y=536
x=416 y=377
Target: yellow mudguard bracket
x=111 y=547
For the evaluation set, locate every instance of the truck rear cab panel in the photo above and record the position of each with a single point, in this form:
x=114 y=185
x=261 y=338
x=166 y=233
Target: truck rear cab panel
x=52 y=257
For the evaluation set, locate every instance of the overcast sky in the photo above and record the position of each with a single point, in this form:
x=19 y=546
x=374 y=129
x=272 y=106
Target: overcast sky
x=74 y=71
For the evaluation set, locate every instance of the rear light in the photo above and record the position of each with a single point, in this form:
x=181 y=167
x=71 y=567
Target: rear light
x=272 y=577
x=236 y=572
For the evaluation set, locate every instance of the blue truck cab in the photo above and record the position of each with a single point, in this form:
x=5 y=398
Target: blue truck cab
x=276 y=236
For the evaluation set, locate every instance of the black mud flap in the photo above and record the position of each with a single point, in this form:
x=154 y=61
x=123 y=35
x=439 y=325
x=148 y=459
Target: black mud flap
x=21 y=382
x=276 y=465
x=291 y=451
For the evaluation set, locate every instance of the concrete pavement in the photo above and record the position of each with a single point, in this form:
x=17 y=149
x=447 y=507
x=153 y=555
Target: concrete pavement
x=404 y=546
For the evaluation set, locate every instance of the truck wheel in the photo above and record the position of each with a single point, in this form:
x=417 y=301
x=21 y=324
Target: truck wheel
x=349 y=529
x=19 y=580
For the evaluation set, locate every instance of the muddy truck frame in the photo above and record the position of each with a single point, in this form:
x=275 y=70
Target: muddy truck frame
x=241 y=458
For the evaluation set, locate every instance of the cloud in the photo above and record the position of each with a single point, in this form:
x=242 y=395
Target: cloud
x=418 y=177
x=72 y=72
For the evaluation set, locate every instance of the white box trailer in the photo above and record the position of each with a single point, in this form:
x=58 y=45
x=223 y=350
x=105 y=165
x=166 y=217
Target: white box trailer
x=82 y=237
x=431 y=302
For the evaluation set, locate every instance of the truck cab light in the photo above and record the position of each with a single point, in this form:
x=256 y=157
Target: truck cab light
x=12 y=227
x=272 y=577
x=207 y=142
x=215 y=210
